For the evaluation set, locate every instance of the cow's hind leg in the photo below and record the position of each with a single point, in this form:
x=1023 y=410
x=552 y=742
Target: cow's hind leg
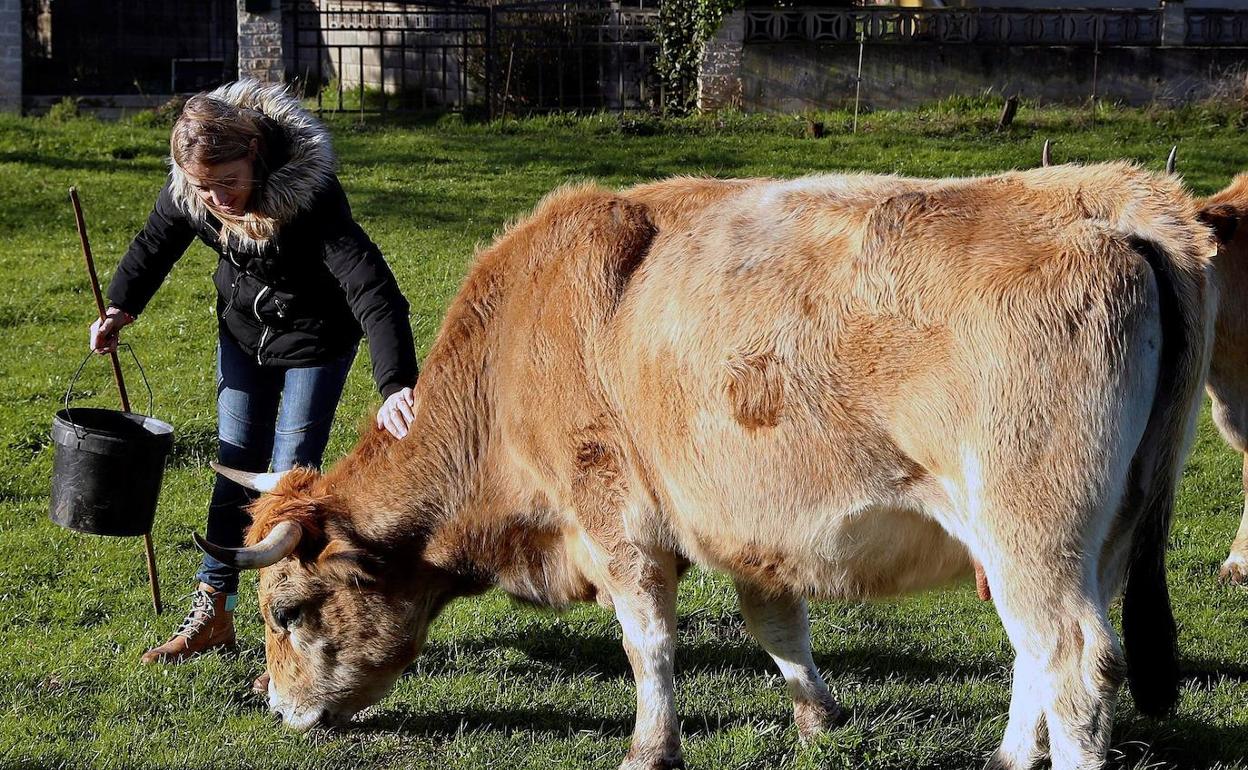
x=1068 y=665
x=1235 y=568
x=781 y=625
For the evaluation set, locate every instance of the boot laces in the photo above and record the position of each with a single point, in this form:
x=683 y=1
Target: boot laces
x=202 y=612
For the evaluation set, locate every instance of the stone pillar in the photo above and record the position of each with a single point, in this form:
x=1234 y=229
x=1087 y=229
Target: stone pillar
x=11 y=55
x=260 y=41
x=1173 y=23
x=719 y=72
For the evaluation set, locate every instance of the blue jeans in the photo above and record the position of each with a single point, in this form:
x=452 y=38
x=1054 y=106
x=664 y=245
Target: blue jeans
x=265 y=415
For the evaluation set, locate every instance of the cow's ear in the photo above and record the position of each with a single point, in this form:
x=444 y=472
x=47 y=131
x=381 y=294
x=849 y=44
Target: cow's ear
x=348 y=563
x=1223 y=219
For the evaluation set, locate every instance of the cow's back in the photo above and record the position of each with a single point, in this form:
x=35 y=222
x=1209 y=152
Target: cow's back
x=810 y=371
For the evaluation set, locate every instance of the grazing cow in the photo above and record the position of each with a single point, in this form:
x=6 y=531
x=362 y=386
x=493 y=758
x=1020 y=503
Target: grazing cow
x=838 y=386
x=1228 y=369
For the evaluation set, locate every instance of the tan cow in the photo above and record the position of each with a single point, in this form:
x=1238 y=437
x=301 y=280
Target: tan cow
x=839 y=386
x=1228 y=370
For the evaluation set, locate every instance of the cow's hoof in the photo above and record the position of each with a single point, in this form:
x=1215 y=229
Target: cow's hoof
x=1235 y=570
x=640 y=759
x=814 y=719
x=1001 y=761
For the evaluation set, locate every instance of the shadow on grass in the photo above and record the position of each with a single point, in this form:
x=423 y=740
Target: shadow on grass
x=142 y=161
x=452 y=721
x=1206 y=673
x=1138 y=742
x=602 y=656
x=1179 y=742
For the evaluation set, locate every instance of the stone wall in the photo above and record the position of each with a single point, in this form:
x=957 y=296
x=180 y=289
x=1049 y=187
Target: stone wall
x=795 y=75
x=719 y=73
x=10 y=55
x=260 y=44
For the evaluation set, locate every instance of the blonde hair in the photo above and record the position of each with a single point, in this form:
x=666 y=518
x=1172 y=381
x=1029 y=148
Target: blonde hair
x=210 y=132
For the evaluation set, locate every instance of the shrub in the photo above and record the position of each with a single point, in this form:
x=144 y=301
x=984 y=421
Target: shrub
x=683 y=26
x=65 y=110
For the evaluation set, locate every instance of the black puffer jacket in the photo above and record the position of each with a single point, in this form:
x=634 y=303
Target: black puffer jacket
x=303 y=297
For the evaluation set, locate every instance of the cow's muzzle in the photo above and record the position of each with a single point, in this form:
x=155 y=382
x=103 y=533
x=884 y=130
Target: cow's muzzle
x=303 y=720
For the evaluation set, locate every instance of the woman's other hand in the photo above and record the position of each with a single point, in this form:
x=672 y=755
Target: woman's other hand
x=397 y=413
x=107 y=333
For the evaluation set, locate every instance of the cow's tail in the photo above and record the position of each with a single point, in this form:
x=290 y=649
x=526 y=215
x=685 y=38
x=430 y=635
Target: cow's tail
x=1149 y=633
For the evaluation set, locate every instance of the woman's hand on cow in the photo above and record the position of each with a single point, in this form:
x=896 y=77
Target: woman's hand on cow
x=107 y=333
x=397 y=413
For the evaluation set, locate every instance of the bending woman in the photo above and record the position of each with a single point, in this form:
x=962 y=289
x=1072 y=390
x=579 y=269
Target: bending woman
x=298 y=283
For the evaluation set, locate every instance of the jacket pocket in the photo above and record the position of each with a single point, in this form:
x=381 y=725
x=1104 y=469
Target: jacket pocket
x=274 y=307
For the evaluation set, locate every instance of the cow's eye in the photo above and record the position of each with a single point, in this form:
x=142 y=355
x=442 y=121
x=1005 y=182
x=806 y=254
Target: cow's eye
x=286 y=616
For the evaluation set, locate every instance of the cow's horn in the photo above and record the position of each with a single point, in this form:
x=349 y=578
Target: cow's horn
x=259 y=482
x=1046 y=156
x=277 y=545
x=1170 y=161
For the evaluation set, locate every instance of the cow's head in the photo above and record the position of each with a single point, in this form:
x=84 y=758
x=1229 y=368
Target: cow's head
x=1223 y=212
x=343 y=617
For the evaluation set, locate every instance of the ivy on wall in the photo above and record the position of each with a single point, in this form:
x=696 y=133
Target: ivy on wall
x=684 y=25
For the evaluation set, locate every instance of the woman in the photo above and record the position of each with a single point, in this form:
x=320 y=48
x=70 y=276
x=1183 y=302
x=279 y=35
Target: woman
x=298 y=282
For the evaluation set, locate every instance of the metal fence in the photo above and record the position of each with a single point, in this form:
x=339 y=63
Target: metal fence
x=376 y=56
x=138 y=47
x=396 y=55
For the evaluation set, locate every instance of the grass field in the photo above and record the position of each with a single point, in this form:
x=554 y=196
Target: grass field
x=927 y=678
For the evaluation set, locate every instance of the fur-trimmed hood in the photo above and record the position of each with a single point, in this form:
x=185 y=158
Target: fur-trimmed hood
x=288 y=189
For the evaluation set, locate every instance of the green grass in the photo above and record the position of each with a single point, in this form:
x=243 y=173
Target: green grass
x=927 y=678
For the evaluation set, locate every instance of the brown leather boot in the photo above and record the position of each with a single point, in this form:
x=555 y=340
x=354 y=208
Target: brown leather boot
x=208 y=626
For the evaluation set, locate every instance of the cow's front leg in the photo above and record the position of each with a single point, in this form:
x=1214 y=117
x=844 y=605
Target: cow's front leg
x=781 y=625
x=1235 y=568
x=643 y=592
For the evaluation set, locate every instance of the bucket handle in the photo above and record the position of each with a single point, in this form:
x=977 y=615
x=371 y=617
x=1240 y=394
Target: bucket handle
x=70 y=391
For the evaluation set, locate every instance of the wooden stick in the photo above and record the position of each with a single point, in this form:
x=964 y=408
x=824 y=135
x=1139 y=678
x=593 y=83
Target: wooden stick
x=152 y=578
x=95 y=289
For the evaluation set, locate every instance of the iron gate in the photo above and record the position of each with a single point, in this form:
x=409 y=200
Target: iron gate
x=86 y=47
x=375 y=55
x=546 y=55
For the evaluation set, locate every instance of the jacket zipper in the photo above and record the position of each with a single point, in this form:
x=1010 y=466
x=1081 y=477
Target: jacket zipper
x=229 y=305
x=264 y=337
x=264 y=328
x=233 y=296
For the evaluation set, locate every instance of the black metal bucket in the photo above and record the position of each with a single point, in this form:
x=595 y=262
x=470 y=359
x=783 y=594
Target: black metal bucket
x=107 y=467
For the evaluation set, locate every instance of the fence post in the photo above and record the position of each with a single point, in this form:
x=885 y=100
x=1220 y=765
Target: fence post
x=489 y=62
x=260 y=42
x=1098 y=31
x=11 y=55
x=1173 y=23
